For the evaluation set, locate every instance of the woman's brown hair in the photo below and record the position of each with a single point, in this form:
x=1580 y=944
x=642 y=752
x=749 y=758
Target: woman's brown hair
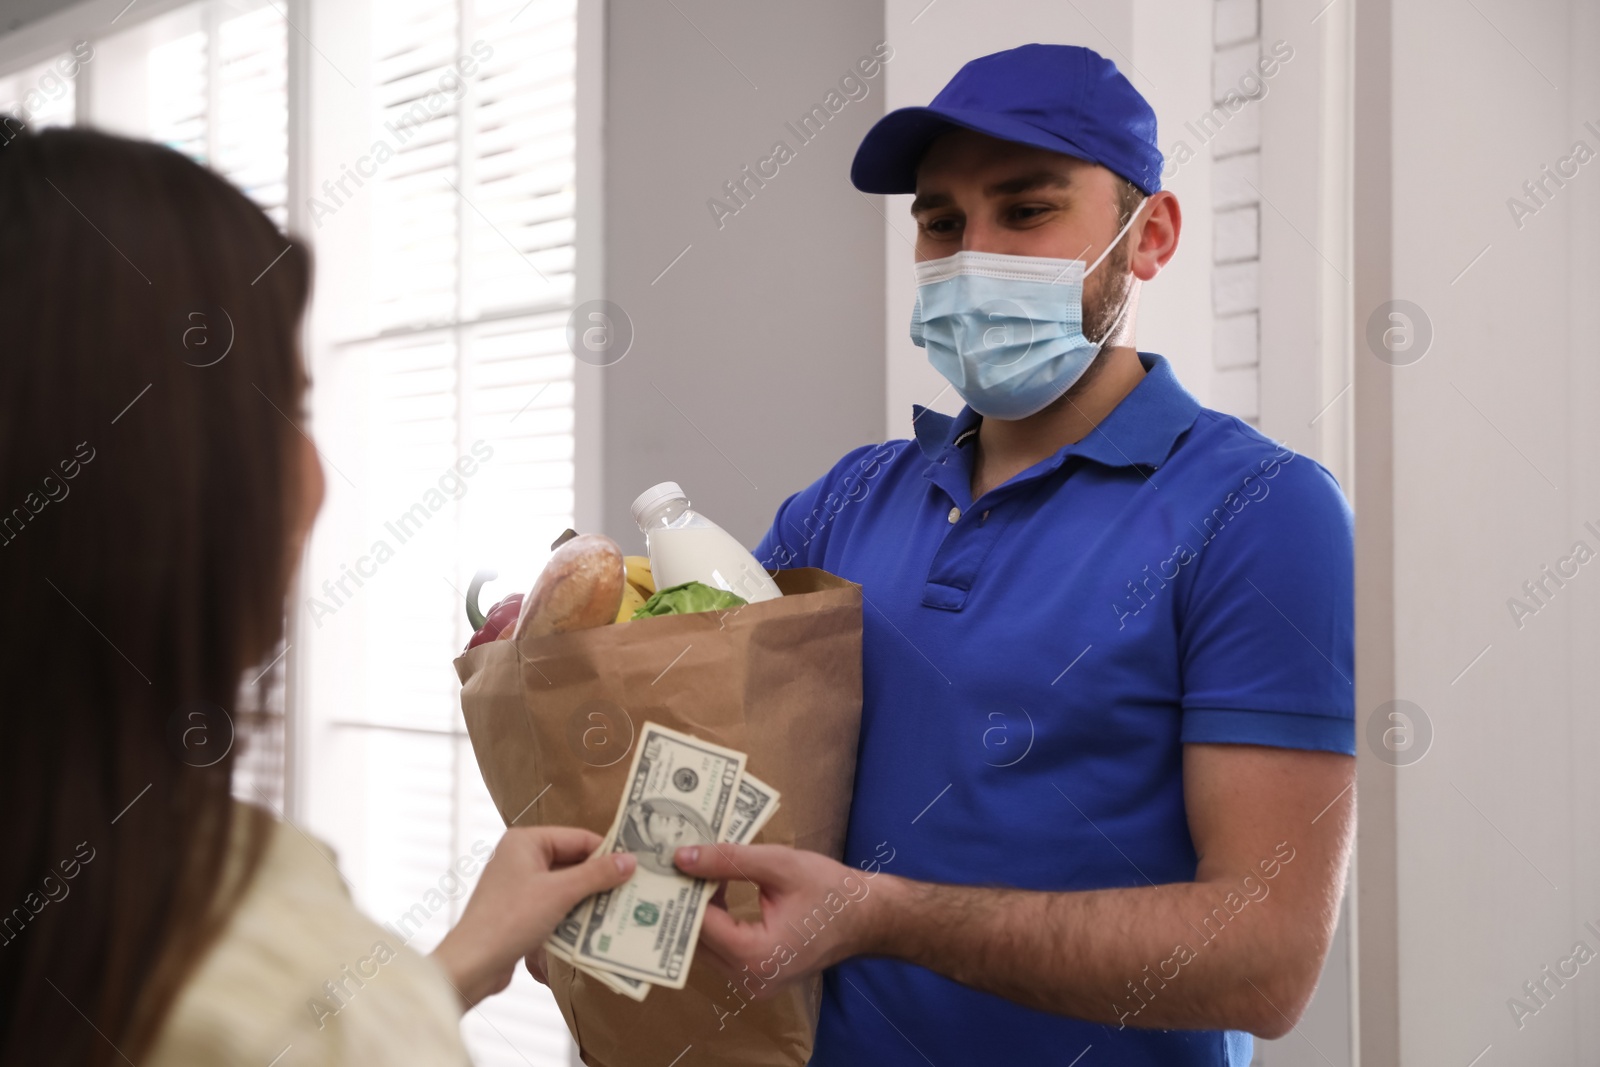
x=151 y=382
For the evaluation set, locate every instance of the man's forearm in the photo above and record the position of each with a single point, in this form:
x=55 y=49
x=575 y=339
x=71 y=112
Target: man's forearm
x=1186 y=955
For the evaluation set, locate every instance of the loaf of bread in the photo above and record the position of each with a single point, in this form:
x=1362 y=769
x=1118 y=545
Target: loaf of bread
x=580 y=587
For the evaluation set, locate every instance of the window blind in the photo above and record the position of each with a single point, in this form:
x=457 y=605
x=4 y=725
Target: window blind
x=465 y=447
x=41 y=95
x=219 y=94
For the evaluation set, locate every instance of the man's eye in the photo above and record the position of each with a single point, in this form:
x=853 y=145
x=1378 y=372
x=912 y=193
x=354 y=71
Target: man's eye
x=941 y=225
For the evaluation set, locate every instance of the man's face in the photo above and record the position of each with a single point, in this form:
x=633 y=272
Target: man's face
x=669 y=830
x=979 y=194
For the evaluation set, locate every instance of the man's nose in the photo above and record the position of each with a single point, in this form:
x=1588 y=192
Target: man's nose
x=981 y=235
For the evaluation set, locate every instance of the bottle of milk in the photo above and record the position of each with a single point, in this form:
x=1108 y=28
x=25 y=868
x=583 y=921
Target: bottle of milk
x=685 y=546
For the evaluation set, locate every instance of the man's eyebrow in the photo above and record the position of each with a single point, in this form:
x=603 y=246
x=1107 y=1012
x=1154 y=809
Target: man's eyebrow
x=1027 y=183
x=1022 y=183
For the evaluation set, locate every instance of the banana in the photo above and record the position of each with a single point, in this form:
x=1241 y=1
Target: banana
x=639 y=575
x=632 y=601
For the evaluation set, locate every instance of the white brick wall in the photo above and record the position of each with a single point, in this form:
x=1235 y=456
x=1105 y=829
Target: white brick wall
x=1231 y=62
x=1234 y=289
x=1234 y=341
x=1237 y=20
x=1241 y=134
x=1236 y=210
x=1236 y=235
x=1234 y=181
x=1237 y=390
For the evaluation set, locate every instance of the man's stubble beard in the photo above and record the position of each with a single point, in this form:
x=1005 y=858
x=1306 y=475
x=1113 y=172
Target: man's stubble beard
x=1100 y=316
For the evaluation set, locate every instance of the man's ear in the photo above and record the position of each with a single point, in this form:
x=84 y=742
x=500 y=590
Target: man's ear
x=1158 y=235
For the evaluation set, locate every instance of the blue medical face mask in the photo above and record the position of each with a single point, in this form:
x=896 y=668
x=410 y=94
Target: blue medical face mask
x=1007 y=331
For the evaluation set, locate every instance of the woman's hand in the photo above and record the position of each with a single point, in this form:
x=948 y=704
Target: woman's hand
x=530 y=883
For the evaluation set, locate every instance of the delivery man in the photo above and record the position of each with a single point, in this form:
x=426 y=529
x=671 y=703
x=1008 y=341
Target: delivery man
x=1104 y=793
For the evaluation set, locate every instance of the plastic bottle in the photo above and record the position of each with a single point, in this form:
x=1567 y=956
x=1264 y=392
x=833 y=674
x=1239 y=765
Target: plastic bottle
x=685 y=546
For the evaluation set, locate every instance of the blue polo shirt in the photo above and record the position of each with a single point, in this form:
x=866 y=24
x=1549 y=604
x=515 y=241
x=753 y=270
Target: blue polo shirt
x=1033 y=663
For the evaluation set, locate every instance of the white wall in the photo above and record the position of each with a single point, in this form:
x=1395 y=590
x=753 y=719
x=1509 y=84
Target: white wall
x=1479 y=863
x=1305 y=224
x=1172 y=65
x=757 y=361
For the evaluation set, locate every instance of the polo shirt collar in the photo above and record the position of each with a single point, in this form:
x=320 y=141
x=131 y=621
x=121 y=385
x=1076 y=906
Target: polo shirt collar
x=1139 y=431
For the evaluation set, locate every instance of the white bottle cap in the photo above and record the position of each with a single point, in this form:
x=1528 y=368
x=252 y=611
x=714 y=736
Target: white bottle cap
x=656 y=494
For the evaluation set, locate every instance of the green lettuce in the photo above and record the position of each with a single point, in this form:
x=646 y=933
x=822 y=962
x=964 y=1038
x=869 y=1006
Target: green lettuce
x=688 y=597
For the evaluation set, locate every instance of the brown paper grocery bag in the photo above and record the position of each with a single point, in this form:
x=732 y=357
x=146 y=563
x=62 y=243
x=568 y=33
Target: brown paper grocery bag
x=553 y=719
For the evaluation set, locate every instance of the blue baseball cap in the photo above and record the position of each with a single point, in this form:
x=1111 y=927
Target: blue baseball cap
x=1058 y=97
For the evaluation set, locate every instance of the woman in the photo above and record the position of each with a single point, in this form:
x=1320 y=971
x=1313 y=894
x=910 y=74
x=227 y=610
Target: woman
x=157 y=494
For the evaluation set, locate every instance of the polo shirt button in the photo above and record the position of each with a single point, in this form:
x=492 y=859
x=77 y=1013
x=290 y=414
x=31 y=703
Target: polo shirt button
x=955 y=513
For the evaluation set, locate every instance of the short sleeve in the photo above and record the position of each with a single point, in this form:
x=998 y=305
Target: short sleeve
x=1267 y=636
x=800 y=528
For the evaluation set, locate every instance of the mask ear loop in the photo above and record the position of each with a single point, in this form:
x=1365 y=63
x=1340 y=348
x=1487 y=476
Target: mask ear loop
x=1116 y=323
x=1120 y=235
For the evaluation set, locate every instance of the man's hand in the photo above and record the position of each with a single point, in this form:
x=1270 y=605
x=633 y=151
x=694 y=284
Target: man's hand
x=1272 y=830
x=534 y=878
x=814 y=911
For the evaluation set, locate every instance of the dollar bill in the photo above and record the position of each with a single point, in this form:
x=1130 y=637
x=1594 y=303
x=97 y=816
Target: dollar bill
x=684 y=762
x=680 y=791
x=565 y=938
x=631 y=988
x=752 y=808
x=628 y=987
x=754 y=805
